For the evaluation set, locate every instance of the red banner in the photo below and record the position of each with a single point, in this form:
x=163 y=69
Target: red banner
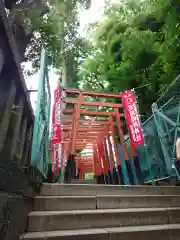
x=56 y=106
x=56 y=129
x=53 y=158
x=132 y=118
x=56 y=134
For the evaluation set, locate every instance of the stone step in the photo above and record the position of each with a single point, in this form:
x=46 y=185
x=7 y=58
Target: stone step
x=93 y=190
x=60 y=203
x=83 y=219
x=137 y=201
x=83 y=181
x=156 y=232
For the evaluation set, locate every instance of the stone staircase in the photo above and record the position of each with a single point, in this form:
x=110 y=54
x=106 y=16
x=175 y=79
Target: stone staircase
x=83 y=181
x=101 y=212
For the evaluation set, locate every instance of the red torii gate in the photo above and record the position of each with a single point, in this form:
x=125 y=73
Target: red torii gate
x=97 y=133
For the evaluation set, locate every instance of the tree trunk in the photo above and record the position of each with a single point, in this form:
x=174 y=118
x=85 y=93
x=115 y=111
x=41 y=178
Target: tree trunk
x=64 y=73
x=22 y=27
x=64 y=67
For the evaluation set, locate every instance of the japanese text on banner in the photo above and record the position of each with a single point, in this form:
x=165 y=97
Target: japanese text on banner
x=132 y=118
x=56 y=129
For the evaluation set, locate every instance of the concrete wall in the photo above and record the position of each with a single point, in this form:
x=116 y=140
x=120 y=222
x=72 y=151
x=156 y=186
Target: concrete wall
x=13 y=215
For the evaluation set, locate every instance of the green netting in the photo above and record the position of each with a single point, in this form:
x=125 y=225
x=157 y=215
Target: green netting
x=40 y=144
x=166 y=112
x=161 y=132
x=150 y=156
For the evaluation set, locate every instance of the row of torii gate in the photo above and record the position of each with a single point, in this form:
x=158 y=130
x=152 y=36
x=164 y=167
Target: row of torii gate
x=85 y=128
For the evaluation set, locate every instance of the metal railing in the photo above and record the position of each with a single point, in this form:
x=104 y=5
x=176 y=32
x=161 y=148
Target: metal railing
x=23 y=158
x=16 y=114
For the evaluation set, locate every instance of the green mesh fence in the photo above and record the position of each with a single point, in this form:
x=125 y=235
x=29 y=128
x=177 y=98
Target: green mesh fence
x=161 y=132
x=40 y=144
x=150 y=156
x=166 y=112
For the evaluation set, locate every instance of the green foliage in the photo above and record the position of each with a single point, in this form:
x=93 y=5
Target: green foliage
x=14 y=109
x=136 y=44
x=58 y=32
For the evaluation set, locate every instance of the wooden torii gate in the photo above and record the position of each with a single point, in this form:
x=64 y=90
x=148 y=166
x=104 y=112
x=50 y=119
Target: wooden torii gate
x=94 y=130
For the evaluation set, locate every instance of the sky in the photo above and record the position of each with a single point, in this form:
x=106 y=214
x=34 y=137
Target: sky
x=91 y=15
x=94 y=13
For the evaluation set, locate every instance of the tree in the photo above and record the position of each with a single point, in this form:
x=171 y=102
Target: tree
x=59 y=34
x=53 y=24
x=23 y=18
x=136 y=44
